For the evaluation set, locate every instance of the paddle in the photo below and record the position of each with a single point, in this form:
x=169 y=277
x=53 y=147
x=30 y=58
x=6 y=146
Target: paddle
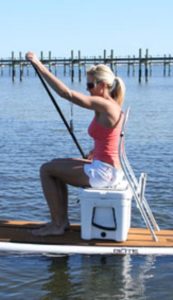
x=60 y=113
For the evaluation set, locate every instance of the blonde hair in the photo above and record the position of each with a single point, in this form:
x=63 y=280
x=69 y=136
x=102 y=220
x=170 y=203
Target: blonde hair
x=115 y=84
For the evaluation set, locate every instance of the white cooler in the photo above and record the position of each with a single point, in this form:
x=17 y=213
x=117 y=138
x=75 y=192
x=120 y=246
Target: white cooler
x=105 y=214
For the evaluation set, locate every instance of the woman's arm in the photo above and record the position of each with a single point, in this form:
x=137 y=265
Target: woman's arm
x=90 y=102
x=57 y=85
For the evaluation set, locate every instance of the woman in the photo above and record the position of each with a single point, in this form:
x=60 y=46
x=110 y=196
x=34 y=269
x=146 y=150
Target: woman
x=102 y=166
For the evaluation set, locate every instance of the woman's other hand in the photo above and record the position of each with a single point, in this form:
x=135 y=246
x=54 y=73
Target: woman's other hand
x=90 y=155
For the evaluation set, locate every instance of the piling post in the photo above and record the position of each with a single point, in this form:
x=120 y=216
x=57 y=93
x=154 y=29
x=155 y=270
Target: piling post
x=150 y=67
x=9 y=69
x=84 y=65
x=79 y=65
x=49 y=60
x=133 y=66
x=65 y=70
x=112 y=58
x=41 y=56
x=104 y=56
x=128 y=66
x=55 y=69
x=72 y=65
x=140 y=65
x=21 y=66
x=69 y=66
x=164 y=66
x=146 y=66
x=13 y=66
x=169 y=66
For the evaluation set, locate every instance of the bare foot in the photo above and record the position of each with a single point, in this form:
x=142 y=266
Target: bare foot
x=66 y=225
x=49 y=229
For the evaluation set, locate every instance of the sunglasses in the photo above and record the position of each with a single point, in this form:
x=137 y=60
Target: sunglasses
x=91 y=85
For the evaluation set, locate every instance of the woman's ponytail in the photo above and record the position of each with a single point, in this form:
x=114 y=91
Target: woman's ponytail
x=117 y=91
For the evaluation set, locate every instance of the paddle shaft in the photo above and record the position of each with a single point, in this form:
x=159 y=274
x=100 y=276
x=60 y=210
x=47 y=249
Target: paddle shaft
x=60 y=113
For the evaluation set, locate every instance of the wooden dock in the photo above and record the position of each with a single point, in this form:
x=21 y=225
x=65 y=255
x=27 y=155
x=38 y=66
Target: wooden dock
x=75 y=65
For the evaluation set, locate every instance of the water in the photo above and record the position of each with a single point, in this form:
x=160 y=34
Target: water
x=31 y=133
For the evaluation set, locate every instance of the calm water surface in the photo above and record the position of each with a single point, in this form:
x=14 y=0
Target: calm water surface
x=31 y=133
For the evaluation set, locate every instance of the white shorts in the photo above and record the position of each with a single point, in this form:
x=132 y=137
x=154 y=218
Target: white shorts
x=102 y=175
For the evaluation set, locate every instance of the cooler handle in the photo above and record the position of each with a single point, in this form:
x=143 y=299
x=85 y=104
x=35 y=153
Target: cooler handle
x=101 y=226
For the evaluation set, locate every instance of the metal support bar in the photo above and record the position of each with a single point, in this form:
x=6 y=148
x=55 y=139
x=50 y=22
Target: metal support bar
x=138 y=188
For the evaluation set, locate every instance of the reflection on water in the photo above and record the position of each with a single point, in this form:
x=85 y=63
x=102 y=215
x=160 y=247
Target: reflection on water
x=86 y=277
x=32 y=133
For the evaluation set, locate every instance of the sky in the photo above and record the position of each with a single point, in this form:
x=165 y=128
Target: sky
x=90 y=26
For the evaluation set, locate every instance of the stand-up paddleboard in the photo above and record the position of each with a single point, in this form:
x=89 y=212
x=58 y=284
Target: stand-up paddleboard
x=16 y=237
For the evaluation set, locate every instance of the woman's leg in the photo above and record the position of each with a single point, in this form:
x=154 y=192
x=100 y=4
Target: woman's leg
x=55 y=176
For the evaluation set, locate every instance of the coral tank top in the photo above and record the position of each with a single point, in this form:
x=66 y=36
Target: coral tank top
x=106 y=141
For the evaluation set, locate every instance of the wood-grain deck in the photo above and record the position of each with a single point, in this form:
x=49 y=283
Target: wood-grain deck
x=21 y=232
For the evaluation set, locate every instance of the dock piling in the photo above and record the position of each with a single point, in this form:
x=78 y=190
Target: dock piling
x=140 y=66
x=72 y=65
x=79 y=66
x=146 y=66
x=80 y=63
